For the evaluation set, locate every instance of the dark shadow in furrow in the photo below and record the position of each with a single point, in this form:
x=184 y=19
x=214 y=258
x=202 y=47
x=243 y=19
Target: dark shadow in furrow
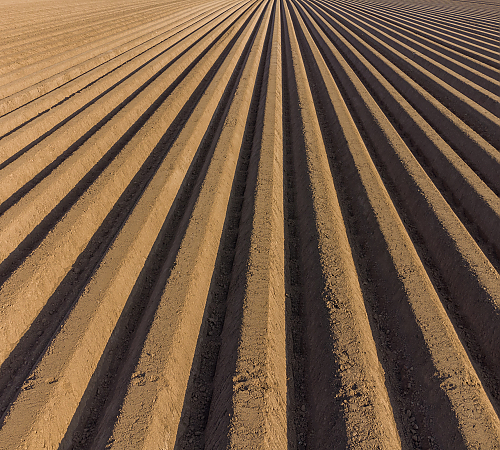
x=407 y=129
x=217 y=421
x=398 y=37
x=474 y=223
x=14 y=157
x=484 y=126
x=479 y=343
x=398 y=120
x=34 y=342
x=358 y=31
x=436 y=45
x=477 y=224
x=297 y=412
x=196 y=407
x=428 y=15
x=485 y=367
x=107 y=388
x=396 y=43
x=433 y=29
x=436 y=30
x=16 y=258
x=199 y=393
x=319 y=415
x=21 y=192
x=462 y=29
x=400 y=344
x=427 y=18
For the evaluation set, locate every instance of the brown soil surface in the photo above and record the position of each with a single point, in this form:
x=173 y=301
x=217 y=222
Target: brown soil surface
x=249 y=224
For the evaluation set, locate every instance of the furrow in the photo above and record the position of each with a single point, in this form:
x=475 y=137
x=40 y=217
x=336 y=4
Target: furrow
x=467 y=189
x=418 y=302
x=175 y=225
x=487 y=99
x=98 y=22
x=250 y=388
x=443 y=233
x=119 y=52
x=336 y=321
x=445 y=26
x=448 y=37
x=249 y=224
x=32 y=207
x=428 y=13
x=34 y=281
x=440 y=37
x=386 y=59
x=211 y=112
x=90 y=106
x=427 y=40
x=105 y=296
x=46 y=56
x=43 y=114
x=84 y=262
x=178 y=317
x=477 y=152
x=431 y=58
x=38 y=56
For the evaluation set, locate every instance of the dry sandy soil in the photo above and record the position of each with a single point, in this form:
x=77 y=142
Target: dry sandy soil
x=249 y=224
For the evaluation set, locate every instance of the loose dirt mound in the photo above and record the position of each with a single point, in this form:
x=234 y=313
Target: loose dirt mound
x=257 y=224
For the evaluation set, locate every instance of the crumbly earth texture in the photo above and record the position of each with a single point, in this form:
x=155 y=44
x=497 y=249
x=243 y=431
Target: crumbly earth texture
x=249 y=224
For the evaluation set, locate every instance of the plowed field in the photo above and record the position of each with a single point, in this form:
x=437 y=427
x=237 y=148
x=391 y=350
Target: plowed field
x=256 y=224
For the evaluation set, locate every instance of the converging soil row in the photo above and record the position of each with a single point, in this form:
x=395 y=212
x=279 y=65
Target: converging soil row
x=255 y=224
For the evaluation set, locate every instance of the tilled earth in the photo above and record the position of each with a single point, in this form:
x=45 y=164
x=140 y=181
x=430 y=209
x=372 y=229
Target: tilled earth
x=256 y=224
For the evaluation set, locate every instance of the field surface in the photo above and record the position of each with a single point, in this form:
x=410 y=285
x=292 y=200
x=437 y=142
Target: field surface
x=256 y=224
